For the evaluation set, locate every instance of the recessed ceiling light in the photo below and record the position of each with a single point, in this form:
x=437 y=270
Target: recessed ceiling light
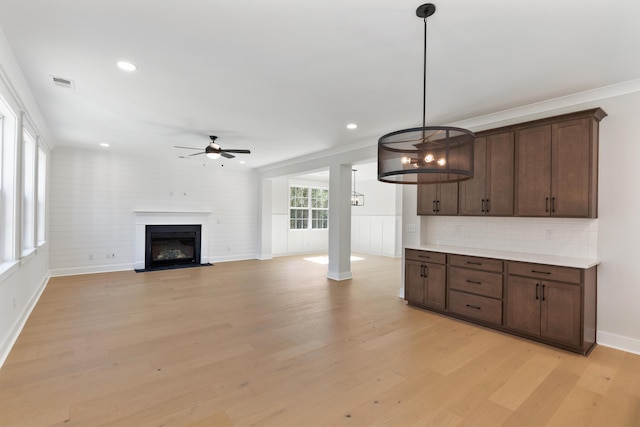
x=242 y=162
x=104 y=144
x=352 y=126
x=127 y=66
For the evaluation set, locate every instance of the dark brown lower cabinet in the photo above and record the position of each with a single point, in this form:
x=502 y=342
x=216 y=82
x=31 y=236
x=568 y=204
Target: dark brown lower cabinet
x=547 y=309
x=554 y=311
x=426 y=280
x=552 y=304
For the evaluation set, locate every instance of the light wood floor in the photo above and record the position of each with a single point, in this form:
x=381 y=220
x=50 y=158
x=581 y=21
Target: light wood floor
x=274 y=343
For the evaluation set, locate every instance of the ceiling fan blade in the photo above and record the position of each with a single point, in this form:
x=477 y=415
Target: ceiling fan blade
x=196 y=154
x=238 y=151
x=188 y=148
x=224 y=153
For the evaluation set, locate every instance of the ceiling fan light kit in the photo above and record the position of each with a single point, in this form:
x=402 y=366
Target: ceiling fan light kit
x=214 y=151
x=427 y=154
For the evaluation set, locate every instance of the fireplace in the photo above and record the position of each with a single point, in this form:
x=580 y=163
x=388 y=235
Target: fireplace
x=170 y=246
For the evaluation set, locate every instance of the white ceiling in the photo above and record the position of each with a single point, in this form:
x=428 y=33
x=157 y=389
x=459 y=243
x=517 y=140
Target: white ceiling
x=284 y=77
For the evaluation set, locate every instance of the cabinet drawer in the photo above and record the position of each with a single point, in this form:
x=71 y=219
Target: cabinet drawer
x=475 y=306
x=417 y=255
x=542 y=271
x=487 y=264
x=475 y=281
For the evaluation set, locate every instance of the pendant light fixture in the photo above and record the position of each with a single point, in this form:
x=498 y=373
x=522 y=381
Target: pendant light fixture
x=357 y=199
x=428 y=154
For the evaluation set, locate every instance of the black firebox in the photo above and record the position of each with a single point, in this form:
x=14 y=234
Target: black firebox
x=168 y=246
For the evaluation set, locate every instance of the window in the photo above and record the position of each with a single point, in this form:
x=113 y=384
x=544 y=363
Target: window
x=8 y=126
x=308 y=203
x=42 y=188
x=319 y=208
x=28 y=192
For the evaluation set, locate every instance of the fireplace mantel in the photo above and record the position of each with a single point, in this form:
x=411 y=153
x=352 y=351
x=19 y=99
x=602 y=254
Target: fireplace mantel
x=144 y=217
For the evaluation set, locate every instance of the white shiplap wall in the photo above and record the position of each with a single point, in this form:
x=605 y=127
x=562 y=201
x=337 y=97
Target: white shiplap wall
x=94 y=195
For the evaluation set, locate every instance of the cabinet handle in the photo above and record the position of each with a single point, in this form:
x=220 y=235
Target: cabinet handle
x=553 y=205
x=546 y=204
x=483 y=205
x=434 y=206
x=474 y=263
x=474 y=282
x=473 y=306
x=537 y=295
x=438 y=206
x=487 y=207
x=543 y=286
x=426 y=271
x=424 y=256
x=540 y=272
x=422 y=270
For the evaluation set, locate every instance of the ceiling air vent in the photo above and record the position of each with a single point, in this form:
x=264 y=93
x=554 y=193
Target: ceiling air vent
x=66 y=83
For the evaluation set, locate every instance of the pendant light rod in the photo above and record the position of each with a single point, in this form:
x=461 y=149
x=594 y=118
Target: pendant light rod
x=428 y=154
x=424 y=12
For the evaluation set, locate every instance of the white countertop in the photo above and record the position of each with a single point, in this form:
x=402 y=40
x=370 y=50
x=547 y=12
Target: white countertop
x=511 y=256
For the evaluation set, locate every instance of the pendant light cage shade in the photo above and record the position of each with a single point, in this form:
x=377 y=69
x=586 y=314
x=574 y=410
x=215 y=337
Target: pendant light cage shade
x=357 y=199
x=426 y=155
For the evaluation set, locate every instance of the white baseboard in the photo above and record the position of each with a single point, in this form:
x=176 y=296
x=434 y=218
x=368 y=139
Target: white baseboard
x=339 y=276
x=11 y=339
x=229 y=258
x=93 y=269
x=619 y=342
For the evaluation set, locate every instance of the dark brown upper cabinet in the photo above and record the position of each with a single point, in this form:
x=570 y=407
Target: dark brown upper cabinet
x=438 y=199
x=557 y=167
x=490 y=192
x=542 y=168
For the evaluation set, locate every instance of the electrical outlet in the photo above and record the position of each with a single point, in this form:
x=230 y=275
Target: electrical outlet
x=458 y=229
x=411 y=228
x=90 y=257
x=548 y=234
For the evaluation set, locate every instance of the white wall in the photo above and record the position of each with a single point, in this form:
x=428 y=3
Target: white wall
x=619 y=224
x=94 y=194
x=375 y=226
x=284 y=240
x=613 y=238
x=21 y=281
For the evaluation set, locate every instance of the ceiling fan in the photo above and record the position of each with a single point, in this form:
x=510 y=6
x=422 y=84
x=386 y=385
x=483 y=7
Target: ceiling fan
x=214 y=151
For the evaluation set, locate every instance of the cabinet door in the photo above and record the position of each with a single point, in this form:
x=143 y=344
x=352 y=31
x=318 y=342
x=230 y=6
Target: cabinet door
x=533 y=171
x=438 y=199
x=500 y=168
x=448 y=199
x=571 y=168
x=427 y=199
x=472 y=191
x=413 y=282
x=560 y=312
x=436 y=285
x=523 y=304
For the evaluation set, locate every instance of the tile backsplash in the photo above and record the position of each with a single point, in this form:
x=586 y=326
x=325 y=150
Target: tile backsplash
x=549 y=236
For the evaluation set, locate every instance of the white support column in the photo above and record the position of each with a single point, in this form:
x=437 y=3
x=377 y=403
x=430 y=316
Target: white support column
x=266 y=218
x=339 y=222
